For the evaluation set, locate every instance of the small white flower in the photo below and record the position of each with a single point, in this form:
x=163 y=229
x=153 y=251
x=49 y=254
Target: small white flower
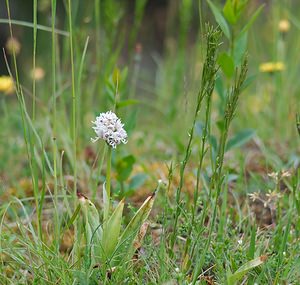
x=285 y=174
x=109 y=128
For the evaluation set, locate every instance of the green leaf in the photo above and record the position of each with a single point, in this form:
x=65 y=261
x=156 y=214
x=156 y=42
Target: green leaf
x=111 y=232
x=213 y=143
x=220 y=88
x=123 y=76
x=126 y=103
x=124 y=167
x=73 y=218
x=251 y=249
x=116 y=76
x=240 y=48
x=284 y=241
x=226 y=63
x=240 y=139
x=137 y=181
x=240 y=7
x=298 y=123
x=106 y=202
x=140 y=216
x=131 y=121
x=232 y=279
x=199 y=126
x=253 y=18
x=248 y=81
x=110 y=92
x=125 y=245
x=93 y=229
x=219 y=19
x=229 y=13
x=221 y=125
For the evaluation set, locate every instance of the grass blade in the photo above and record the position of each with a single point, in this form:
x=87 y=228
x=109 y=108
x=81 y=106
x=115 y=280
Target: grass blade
x=232 y=279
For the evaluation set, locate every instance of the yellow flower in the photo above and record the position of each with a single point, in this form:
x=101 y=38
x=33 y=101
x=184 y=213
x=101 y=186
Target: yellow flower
x=284 y=26
x=271 y=66
x=6 y=84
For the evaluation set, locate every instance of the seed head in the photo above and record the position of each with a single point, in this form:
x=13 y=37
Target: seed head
x=109 y=128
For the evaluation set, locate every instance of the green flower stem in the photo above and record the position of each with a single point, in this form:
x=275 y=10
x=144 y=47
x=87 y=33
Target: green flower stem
x=107 y=184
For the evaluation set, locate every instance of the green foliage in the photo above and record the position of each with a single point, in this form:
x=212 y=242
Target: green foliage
x=130 y=233
x=190 y=113
x=298 y=123
x=105 y=242
x=111 y=232
x=252 y=19
x=233 y=278
x=137 y=181
x=124 y=167
x=233 y=10
x=93 y=228
x=220 y=19
x=240 y=48
x=239 y=139
x=226 y=63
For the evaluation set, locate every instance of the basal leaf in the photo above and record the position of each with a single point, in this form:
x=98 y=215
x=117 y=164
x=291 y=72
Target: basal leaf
x=93 y=229
x=125 y=245
x=111 y=231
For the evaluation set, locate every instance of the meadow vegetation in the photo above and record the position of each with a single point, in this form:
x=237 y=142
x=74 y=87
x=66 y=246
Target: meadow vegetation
x=150 y=143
